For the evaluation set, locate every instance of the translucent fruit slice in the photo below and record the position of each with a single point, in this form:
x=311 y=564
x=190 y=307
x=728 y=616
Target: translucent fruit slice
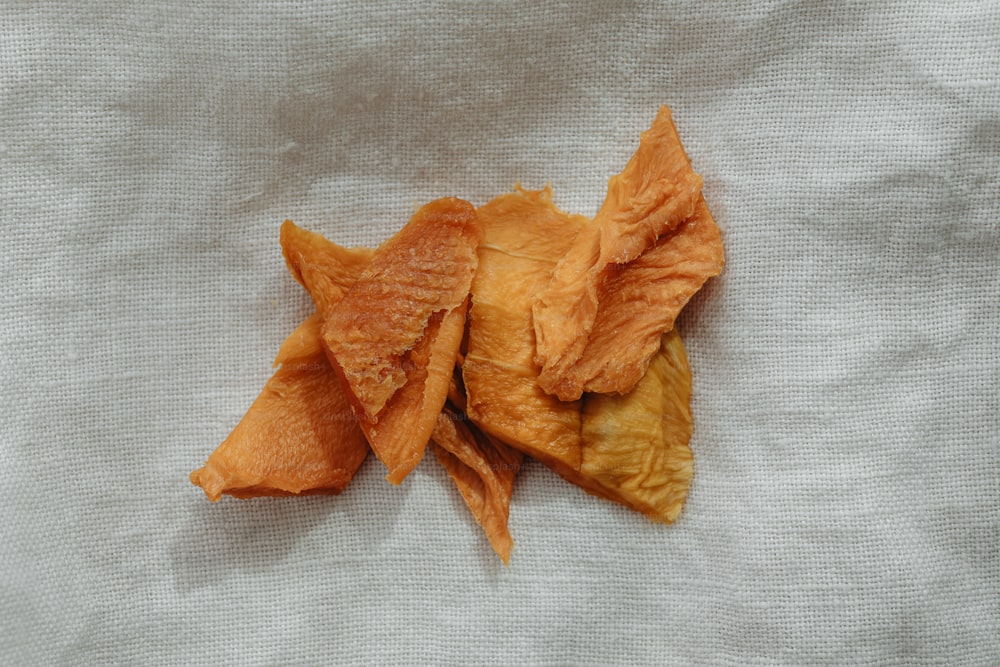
x=655 y=193
x=635 y=447
x=524 y=236
x=299 y=435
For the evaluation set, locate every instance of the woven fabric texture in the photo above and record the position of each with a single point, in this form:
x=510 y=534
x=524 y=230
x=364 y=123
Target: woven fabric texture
x=845 y=507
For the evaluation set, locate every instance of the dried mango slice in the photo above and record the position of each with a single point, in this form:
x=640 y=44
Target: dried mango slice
x=651 y=197
x=407 y=422
x=635 y=447
x=425 y=268
x=483 y=469
x=640 y=300
x=394 y=334
x=654 y=192
x=325 y=269
x=619 y=447
x=299 y=435
x=411 y=413
x=524 y=235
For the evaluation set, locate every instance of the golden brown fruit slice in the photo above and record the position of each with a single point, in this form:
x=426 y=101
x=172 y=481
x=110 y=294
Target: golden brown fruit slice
x=299 y=435
x=524 y=235
x=425 y=268
x=640 y=300
x=635 y=447
x=483 y=469
x=651 y=197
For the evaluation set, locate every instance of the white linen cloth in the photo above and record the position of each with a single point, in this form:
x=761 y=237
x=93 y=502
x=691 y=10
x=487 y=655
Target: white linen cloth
x=846 y=501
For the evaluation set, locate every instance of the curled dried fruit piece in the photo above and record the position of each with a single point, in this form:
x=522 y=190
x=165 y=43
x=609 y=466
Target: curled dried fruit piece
x=650 y=199
x=299 y=435
x=394 y=336
x=640 y=300
x=483 y=469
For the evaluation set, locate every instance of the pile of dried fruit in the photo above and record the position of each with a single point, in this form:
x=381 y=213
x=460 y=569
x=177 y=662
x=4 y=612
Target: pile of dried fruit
x=489 y=334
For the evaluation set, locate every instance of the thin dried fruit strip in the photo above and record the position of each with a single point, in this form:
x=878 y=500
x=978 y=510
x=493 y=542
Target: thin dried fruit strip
x=640 y=300
x=483 y=469
x=651 y=197
x=299 y=435
x=426 y=268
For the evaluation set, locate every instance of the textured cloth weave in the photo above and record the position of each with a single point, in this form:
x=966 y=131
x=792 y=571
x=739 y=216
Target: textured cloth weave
x=846 y=501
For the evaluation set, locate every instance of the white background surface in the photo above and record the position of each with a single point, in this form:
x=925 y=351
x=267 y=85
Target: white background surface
x=846 y=502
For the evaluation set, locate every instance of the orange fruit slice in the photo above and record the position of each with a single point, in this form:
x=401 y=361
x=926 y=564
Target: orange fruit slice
x=524 y=236
x=631 y=448
x=394 y=334
x=299 y=435
x=655 y=193
x=483 y=469
x=640 y=300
